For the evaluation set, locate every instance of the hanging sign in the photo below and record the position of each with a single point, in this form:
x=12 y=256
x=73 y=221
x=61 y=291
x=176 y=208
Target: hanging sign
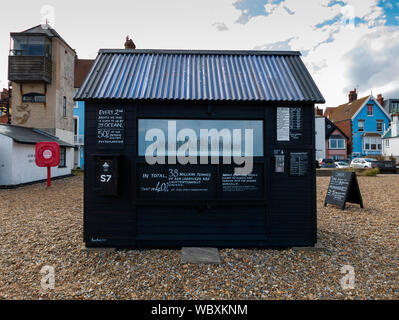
x=343 y=188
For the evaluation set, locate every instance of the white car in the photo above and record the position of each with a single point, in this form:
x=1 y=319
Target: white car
x=363 y=163
x=341 y=165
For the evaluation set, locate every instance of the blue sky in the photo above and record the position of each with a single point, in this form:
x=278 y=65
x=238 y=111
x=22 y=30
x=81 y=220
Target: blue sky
x=253 y=8
x=344 y=43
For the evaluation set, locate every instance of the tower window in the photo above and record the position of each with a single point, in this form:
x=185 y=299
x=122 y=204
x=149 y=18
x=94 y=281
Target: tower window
x=34 y=97
x=64 y=107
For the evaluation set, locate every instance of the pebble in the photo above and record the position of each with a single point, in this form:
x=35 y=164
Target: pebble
x=43 y=227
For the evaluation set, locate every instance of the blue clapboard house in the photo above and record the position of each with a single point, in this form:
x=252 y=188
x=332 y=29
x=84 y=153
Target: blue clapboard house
x=364 y=121
x=82 y=68
x=79 y=127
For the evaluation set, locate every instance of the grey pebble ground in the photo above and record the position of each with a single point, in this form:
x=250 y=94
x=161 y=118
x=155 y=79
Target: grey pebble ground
x=42 y=227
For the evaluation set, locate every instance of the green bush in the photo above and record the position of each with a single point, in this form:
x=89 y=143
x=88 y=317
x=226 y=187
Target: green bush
x=363 y=172
x=370 y=172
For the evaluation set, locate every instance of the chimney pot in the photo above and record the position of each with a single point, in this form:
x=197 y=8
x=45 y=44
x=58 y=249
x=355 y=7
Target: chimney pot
x=129 y=44
x=352 y=95
x=380 y=99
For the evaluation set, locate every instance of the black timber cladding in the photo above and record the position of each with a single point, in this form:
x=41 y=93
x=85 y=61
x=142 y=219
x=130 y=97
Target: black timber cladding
x=281 y=213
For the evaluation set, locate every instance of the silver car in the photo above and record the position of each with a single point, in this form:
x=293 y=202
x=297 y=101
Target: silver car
x=341 y=165
x=363 y=163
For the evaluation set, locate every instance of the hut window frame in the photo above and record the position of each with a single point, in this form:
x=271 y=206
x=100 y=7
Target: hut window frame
x=258 y=136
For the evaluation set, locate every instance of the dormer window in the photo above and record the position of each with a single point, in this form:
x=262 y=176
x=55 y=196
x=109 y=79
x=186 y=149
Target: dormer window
x=370 y=110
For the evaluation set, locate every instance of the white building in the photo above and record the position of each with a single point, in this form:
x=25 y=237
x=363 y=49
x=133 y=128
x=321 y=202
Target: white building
x=17 y=156
x=320 y=128
x=390 y=144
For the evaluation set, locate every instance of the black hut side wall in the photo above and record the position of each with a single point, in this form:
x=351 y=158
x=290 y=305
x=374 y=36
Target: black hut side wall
x=286 y=218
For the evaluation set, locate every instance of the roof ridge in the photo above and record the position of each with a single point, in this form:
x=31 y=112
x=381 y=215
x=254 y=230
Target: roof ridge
x=196 y=52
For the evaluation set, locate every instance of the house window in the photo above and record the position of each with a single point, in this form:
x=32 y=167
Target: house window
x=372 y=143
x=64 y=107
x=360 y=125
x=34 y=97
x=370 y=110
x=31 y=46
x=379 y=125
x=75 y=126
x=394 y=106
x=62 y=157
x=337 y=144
x=387 y=142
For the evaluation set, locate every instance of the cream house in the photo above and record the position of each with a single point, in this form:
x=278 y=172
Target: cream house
x=41 y=70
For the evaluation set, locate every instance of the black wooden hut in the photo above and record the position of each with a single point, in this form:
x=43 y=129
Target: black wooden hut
x=138 y=99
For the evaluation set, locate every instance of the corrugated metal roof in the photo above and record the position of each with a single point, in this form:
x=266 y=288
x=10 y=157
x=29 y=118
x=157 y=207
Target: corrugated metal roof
x=29 y=135
x=199 y=75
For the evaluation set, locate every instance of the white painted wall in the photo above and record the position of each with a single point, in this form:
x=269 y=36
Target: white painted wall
x=66 y=136
x=320 y=128
x=5 y=160
x=393 y=149
x=20 y=166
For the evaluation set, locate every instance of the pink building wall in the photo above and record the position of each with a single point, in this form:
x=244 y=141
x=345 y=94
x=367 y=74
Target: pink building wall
x=330 y=153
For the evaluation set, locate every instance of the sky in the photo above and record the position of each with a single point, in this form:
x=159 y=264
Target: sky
x=345 y=44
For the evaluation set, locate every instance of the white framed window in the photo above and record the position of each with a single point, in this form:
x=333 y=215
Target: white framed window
x=370 y=108
x=380 y=124
x=372 y=143
x=387 y=142
x=360 y=125
x=336 y=144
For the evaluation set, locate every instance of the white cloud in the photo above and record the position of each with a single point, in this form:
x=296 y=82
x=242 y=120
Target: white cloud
x=220 y=26
x=193 y=24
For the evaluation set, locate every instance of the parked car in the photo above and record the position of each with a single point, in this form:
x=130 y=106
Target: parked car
x=327 y=163
x=341 y=165
x=364 y=163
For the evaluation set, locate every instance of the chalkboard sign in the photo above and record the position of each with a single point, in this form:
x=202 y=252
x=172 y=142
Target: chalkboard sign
x=299 y=163
x=169 y=182
x=343 y=188
x=200 y=182
x=110 y=128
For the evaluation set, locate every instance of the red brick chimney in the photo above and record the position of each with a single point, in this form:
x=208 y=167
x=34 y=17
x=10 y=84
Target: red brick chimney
x=129 y=44
x=318 y=112
x=352 y=95
x=380 y=99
